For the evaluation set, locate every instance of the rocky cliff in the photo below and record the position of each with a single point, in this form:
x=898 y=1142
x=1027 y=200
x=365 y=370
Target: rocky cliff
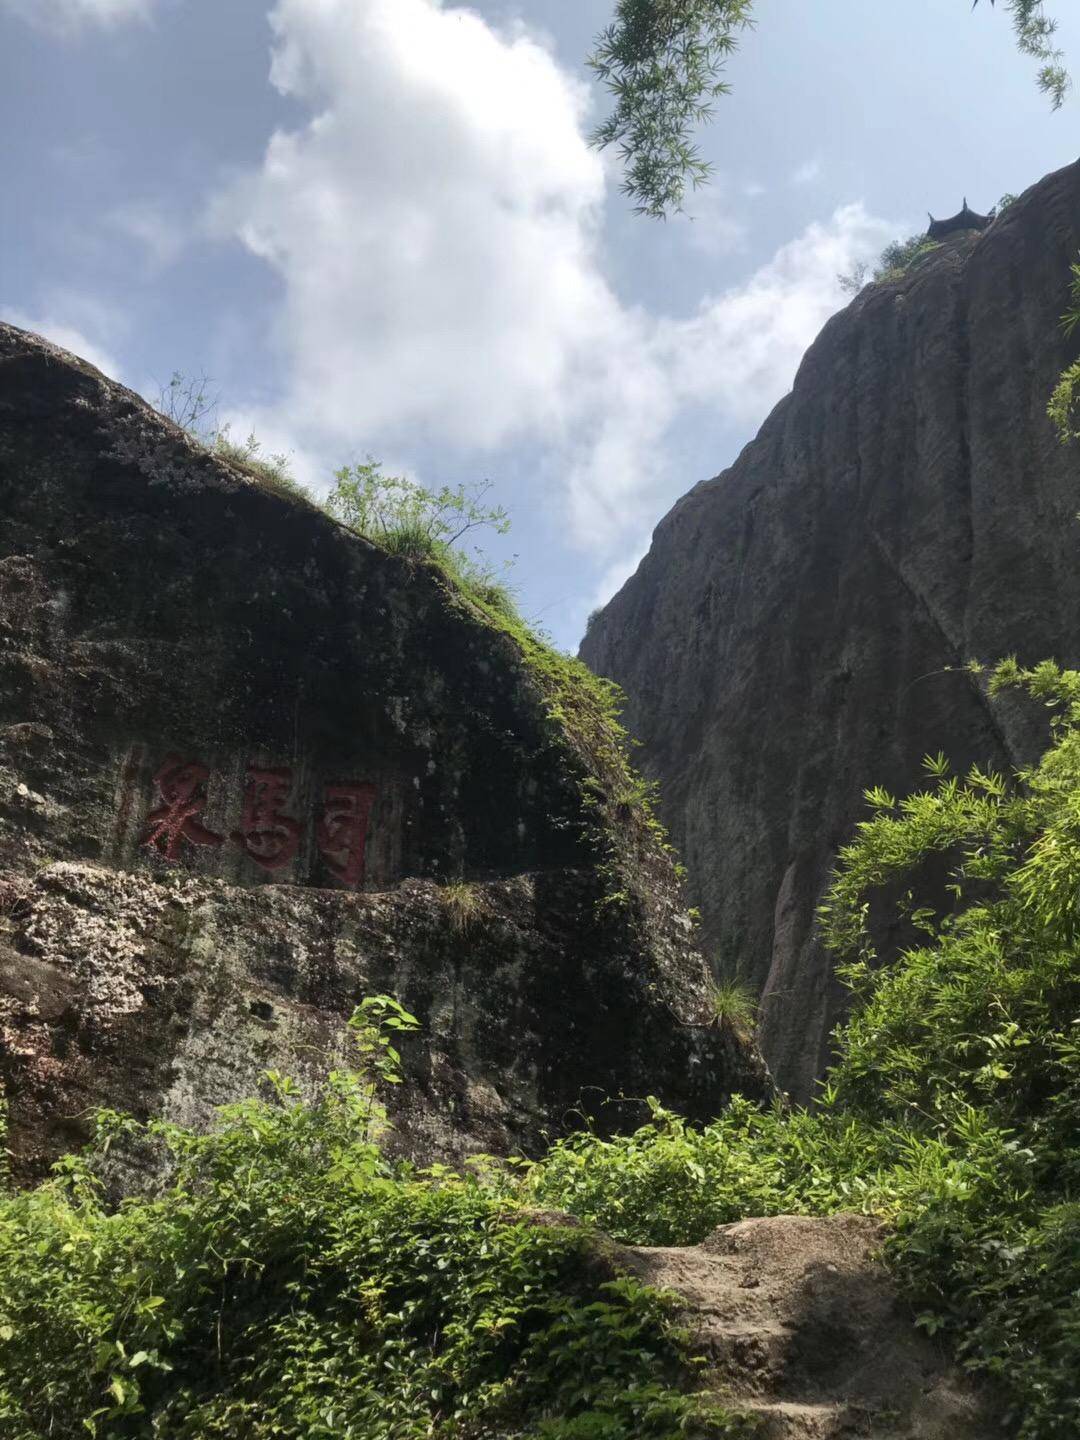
x=253 y=768
x=792 y=635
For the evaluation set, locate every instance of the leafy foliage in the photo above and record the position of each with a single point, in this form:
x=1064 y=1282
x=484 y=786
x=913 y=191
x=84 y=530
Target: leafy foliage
x=1035 y=32
x=406 y=518
x=671 y=1183
x=954 y=1106
x=662 y=61
x=895 y=260
x=901 y=255
x=1062 y=408
x=291 y=1281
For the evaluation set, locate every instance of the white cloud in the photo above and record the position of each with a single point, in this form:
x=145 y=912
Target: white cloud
x=436 y=229
x=68 y=337
x=737 y=355
x=161 y=235
x=807 y=173
x=434 y=222
x=67 y=16
x=616 y=575
x=712 y=228
x=742 y=348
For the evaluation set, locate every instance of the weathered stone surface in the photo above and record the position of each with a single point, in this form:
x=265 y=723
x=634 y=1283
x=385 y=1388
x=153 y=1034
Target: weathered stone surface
x=207 y=691
x=785 y=642
x=804 y=1329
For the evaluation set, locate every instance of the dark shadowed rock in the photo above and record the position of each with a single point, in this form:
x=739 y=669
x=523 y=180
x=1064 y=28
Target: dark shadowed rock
x=242 y=754
x=787 y=640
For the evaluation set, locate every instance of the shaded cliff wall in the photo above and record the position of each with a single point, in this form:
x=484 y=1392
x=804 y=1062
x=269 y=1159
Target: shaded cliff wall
x=784 y=643
x=242 y=752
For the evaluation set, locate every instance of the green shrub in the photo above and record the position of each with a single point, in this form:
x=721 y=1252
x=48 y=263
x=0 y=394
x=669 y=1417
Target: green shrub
x=291 y=1281
x=406 y=518
x=734 y=1004
x=671 y=1183
x=188 y=402
x=270 y=471
x=954 y=1107
x=898 y=257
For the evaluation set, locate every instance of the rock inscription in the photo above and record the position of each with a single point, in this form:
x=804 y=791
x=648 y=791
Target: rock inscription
x=267 y=834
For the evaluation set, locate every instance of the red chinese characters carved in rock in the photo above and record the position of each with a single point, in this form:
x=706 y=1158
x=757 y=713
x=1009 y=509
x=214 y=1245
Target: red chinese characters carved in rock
x=182 y=786
x=266 y=834
x=342 y=831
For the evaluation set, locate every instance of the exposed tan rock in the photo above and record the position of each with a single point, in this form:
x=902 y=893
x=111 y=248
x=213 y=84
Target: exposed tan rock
x=803 y=1329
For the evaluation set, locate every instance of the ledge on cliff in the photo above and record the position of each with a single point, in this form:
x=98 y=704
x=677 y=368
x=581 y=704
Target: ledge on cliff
x=244 y=754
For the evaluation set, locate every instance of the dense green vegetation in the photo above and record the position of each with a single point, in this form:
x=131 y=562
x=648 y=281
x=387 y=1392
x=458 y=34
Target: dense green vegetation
x=291 y=1280
x=954 y=1107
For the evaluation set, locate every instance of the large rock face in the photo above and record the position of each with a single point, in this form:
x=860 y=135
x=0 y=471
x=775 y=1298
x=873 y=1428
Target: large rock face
x=247 y=761
x=787 y=640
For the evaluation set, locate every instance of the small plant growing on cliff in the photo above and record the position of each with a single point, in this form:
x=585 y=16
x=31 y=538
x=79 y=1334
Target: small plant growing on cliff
x=1062 y=408
x=734 y=1004
x=407 y=518
x=463 y=904
x=270 y=470
x=189 y=402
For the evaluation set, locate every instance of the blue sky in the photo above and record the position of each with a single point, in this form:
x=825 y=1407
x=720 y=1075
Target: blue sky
x=377 y=226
